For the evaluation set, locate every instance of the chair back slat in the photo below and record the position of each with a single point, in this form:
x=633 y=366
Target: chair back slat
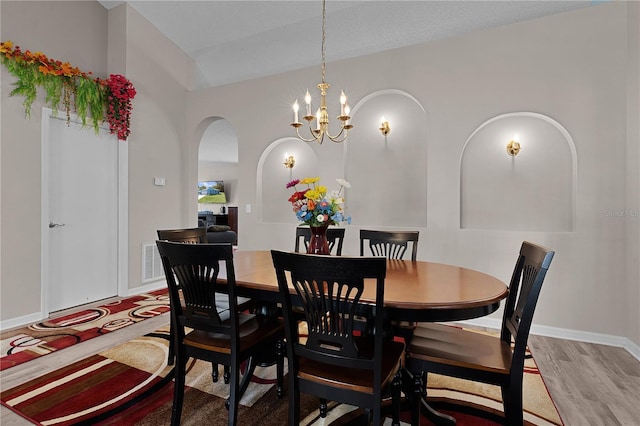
x=194 y=270
x=335 y=238
x=330 y=290
x=330 y=309
x=390 y=244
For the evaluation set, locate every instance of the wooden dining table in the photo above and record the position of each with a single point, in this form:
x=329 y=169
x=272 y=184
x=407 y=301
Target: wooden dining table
x=416 y=291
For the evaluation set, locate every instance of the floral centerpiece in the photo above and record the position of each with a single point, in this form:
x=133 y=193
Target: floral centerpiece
x=314 y=207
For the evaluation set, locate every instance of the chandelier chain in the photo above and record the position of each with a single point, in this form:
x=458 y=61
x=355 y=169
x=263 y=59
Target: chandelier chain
x=323 y=37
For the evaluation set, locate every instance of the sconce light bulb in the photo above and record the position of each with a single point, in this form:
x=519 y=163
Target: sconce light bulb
x=513 y=147
x=384 y=126
x=289 y=161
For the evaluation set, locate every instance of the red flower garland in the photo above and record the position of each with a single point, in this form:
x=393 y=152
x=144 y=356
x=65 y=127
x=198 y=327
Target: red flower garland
x=120 y=94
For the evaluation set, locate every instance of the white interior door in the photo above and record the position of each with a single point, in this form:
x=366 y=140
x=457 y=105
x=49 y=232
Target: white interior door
x=81 y=181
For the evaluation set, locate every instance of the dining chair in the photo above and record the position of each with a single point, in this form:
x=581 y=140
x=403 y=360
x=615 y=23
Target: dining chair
x=334 y=362
x=202 y=331
x=197 y=236
x=335 y=237
x=390 y=244
x=393 y=245
x=186 y=235
x=466 y=354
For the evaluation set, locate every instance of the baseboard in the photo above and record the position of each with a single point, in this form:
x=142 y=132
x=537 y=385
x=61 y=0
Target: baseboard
x=493 y=323
x=20 y=321
x=568 y=334
x=38 y=316
x=153 y=286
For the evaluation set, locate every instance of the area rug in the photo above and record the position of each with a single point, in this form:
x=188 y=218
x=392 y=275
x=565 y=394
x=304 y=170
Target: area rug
x=131 y=385
x=24 y=344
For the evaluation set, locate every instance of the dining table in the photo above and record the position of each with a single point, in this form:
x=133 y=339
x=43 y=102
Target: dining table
x=417 y=291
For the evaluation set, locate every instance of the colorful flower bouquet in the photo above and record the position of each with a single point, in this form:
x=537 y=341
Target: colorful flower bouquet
x=314 y=207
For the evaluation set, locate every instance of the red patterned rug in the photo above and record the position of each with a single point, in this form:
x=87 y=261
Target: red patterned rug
x=20 y=345
x=131 y=385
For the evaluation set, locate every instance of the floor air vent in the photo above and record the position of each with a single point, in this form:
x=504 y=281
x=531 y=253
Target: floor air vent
x=151 y=264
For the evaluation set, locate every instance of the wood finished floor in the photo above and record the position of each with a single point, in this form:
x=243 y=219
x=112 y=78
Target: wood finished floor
x=590 y=384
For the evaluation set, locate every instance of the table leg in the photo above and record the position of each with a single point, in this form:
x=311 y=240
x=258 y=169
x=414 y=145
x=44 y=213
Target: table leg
x=418 y=401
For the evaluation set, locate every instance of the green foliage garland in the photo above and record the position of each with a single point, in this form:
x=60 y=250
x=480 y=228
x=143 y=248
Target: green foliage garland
x=62 y=83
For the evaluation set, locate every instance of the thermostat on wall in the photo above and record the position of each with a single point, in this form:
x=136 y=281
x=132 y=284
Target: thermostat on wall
x=159 y=181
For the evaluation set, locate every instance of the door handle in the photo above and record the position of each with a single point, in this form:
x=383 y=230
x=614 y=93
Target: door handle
x=53 y=225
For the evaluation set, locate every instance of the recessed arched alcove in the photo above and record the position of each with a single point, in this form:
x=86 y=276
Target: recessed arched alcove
x=218 y=156
x=273 y=176
x=388 y=175
x=532 y=191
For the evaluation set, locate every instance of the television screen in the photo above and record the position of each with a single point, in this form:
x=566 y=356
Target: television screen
x=211 y=192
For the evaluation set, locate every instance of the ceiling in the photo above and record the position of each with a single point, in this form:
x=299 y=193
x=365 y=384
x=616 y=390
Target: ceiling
x=238 y=40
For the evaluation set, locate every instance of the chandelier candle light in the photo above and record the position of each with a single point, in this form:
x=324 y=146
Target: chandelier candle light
x=322 y=115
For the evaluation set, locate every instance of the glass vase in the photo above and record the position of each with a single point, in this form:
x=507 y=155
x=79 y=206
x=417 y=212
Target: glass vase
x=318 y=243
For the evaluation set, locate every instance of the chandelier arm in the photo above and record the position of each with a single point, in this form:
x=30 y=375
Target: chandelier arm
x=335 y=138
x=305 y=139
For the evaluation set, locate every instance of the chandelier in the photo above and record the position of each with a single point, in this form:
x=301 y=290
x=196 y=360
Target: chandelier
x=322 y=115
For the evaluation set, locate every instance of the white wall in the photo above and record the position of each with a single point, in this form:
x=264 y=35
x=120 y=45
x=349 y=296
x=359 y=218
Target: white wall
x=72 y=31
x=162 y=74
x=117 y=41
x=571 y=67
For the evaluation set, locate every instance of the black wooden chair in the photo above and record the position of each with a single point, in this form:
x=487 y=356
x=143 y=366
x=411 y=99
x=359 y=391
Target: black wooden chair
x=335 y=237
x=393 y=245
x=229 y=337
x=197 y=236
x=187 y=235
x=390 y=244
x=499 y=361
x=333 y=362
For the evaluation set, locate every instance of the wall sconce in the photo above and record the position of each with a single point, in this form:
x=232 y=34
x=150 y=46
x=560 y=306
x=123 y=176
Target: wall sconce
x=289 y=161
x=513 y=147
x=384 y=127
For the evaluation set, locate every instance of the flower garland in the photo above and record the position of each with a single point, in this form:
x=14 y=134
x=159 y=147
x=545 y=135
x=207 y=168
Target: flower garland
x=121 y=91
x=62 y=82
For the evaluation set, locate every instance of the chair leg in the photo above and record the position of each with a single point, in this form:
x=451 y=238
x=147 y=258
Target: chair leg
x=234 y=393
x=225 y=376
x=323 y=408
x=294 y=400
x=178 y=388
x=512 y=403
x=396 y=387
x=416 y=395
x=172 y=353
x=279 y=368
x=214 y=372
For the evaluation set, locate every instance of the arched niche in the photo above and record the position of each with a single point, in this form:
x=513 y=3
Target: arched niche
x=388 y=175
x=534 y=190
x=273 y=176
x=218 y=156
